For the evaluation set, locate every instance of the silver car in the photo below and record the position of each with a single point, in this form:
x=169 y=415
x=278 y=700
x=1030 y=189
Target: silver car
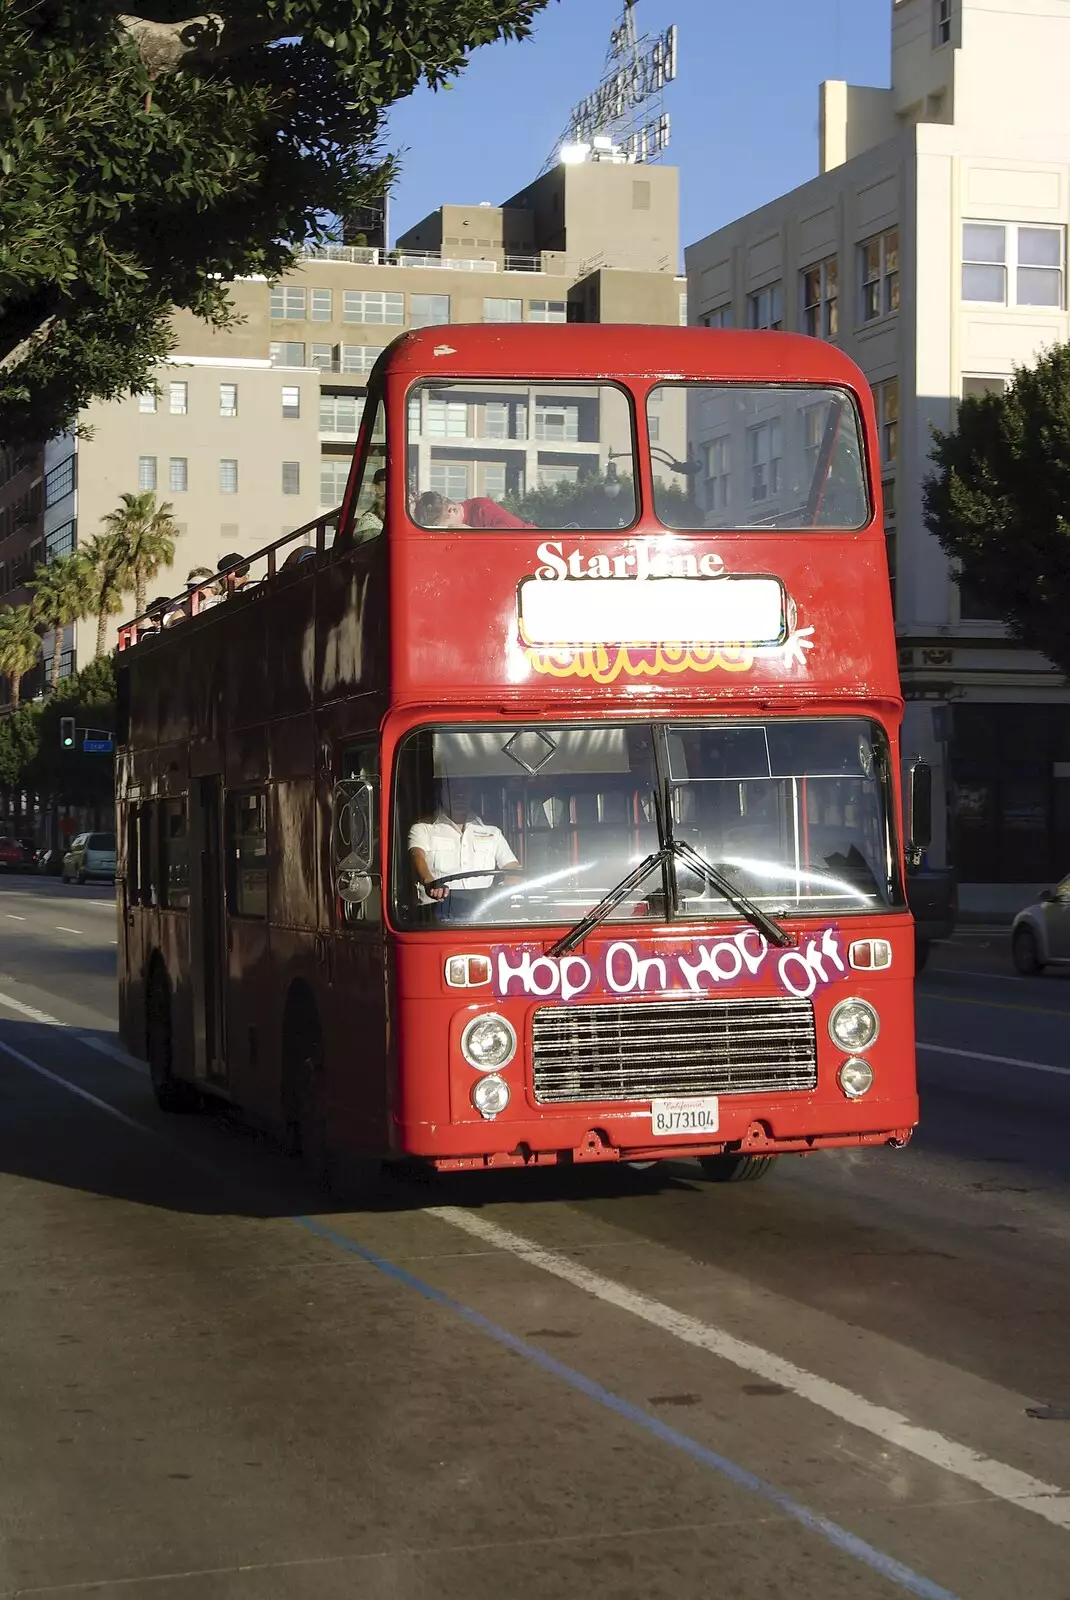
x=91 y=855
x=1040 y=934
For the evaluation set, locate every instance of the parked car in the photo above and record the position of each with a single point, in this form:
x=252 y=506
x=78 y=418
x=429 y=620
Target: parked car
x=933 y=901
x=10 y=855
x=91 y=855
x=1040 y=933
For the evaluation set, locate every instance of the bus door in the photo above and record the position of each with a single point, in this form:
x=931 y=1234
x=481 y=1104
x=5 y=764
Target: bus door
x=358 y=1089
x=208 y=955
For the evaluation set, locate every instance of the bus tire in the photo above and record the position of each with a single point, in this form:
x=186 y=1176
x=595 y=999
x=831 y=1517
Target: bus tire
x=922 y=951
x=349 y=1179
x=172 y=1094
x=735 y=1167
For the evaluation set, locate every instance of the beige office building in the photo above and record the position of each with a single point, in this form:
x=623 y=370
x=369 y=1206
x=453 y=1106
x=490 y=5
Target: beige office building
x=932 y=248
x=252 y=429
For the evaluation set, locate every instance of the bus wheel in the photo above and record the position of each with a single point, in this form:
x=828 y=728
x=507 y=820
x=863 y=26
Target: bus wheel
x=172 y=1094
x=734 y=1167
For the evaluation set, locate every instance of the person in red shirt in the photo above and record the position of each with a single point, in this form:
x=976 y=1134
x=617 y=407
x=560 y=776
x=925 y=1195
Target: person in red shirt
x=435 y=511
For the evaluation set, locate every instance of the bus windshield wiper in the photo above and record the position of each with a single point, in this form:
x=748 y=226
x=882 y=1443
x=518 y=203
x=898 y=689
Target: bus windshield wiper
x=702 y=869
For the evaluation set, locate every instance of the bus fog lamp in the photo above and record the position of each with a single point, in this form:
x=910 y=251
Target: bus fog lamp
x=490 y=1095
x=854 y=1024
x=855 y=1078
x=488 y=1043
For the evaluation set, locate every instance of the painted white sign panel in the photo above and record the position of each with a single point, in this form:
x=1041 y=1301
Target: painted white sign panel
x=705 y=611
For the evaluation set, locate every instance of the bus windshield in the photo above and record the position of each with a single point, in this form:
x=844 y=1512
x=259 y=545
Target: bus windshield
x=758 y=456
x=535 y=824
x=499 y=454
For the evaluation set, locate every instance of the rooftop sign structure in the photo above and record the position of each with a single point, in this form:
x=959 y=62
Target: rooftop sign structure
x=624 y=119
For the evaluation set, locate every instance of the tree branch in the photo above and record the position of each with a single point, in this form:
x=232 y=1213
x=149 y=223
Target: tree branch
x=171 y=46
x=27 y=346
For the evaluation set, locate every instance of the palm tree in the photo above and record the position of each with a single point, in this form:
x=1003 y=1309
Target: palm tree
x=148 y=533
x=62 y=593
x=20 y=646
x=110 y=579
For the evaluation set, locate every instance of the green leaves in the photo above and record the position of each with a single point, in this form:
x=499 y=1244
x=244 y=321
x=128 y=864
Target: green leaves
x=999 y=502
x=128 y=187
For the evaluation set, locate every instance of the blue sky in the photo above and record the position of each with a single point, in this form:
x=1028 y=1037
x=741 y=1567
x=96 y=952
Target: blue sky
x=743 y=107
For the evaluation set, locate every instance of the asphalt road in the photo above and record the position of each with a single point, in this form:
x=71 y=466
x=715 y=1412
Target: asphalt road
x=590 y=1384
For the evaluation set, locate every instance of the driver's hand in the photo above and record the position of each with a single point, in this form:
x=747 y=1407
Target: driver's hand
x=438 y=891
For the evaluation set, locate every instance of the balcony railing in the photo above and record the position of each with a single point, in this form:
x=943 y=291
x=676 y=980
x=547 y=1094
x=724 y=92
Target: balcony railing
x=434 y=260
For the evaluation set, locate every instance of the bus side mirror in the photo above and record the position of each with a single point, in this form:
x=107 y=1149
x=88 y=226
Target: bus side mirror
x=919 y=809
x=353 y=884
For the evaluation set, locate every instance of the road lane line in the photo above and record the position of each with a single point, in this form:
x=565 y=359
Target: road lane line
x=999 y=1061
x=839 y=1538
x=1006 y=1483
x=115 y=1052
x=13 y=918
x=29 y=1011
x=59 y=928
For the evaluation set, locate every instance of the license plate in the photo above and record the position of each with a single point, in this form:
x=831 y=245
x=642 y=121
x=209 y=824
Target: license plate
x=689 y=1115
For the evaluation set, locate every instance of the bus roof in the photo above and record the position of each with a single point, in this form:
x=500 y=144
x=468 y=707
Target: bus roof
x=573 y=350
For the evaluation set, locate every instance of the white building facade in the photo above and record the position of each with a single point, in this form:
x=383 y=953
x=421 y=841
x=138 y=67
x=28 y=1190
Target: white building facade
x=932 y=248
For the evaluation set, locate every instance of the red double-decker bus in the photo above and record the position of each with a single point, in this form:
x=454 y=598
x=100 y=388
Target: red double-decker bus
x=550 y=811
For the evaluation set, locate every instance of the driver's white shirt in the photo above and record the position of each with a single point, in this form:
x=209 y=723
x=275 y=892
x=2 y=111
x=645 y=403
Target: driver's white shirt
x=449 y=848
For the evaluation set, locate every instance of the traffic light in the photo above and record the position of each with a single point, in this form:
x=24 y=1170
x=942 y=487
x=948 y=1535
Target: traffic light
x=66 y=732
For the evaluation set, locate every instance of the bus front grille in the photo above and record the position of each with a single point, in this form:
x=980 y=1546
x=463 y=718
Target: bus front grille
x=641 y=1051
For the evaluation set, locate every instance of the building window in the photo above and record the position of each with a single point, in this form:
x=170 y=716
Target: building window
x=341 y=413
x=178 y=474
x=653 y=427
x=360 y=357
x=333 y=475
x=941 y=23
x=372 y=305
x=61 y=541
x=721 y=317
x=557 y=424
x=228 y=399
x=228 y=477
x=550 y=477
x=975 y=388
x=820 y=297
x=288 y=305
x=879 y=275
x=179 y=399
x=450 y=478
x=683 y=308
x=446 y=419
x=886 y=398
x=428 y=310
x=146 y=473
x=291 y=402
x=291 y=477
x=495 y=420
x=147 y=402
x=60 y=481
x=503 y=310
x=546 y=311
x=765 y=308
x=288 y=353
x=494 y=479
x=763 y=455
x=322 y=305
x=717 y=478
x=323 y=358
x=1012 y=264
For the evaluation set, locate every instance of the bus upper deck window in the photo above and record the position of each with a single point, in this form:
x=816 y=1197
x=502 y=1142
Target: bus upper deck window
x=757 y=456
x=498 y=454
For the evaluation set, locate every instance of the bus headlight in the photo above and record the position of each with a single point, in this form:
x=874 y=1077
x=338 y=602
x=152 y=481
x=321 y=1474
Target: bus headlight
x=490 y=1095
x=855 y=1079
x=488 y=1042
x=854 y=1025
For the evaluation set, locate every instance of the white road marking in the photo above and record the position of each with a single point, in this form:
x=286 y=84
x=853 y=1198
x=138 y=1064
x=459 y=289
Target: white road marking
x=13 y=918
x=102 y=1046
x=116 y=1052
x=999 y=1061
x=61 y=929
x=1007 y=1483
x=29 y=1011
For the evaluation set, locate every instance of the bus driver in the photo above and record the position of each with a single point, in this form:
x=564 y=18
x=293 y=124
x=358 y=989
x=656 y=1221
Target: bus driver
x=454 y=839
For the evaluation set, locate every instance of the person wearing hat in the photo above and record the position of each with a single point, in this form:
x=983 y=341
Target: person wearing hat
x=235 y=570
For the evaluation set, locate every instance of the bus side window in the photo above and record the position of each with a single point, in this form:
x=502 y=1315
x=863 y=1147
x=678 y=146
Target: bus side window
x=369 y=501
x=174 y=855
x=355 y=867
x=247 y=854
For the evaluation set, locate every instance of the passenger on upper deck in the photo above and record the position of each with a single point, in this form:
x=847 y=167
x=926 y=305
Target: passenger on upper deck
x=370 y=521
x=433 y=510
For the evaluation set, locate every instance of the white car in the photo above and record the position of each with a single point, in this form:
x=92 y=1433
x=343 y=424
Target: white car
x=1040 y=934
x=90 y=855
